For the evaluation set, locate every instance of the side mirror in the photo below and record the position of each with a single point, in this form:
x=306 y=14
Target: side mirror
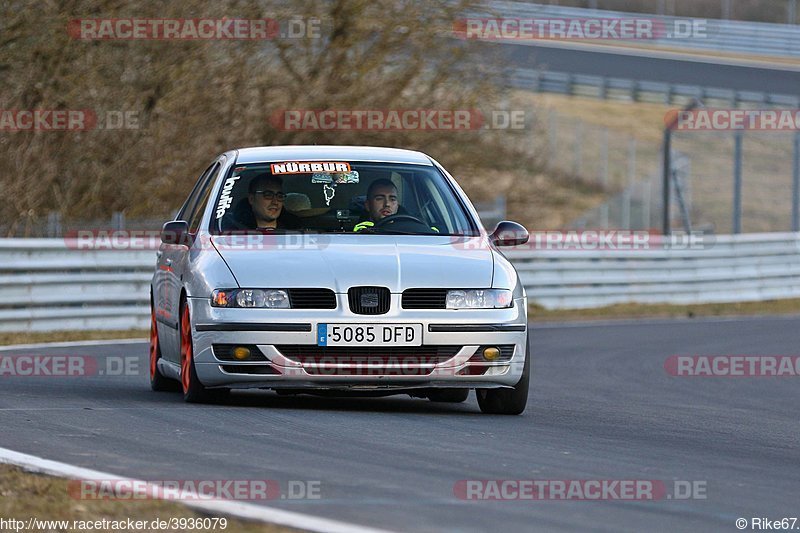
x=175 y=232
x=508 y=233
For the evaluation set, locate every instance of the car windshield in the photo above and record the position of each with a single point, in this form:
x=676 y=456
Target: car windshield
x=339 y=197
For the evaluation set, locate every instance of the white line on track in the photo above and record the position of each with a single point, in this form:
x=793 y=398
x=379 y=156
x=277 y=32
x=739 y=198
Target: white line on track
x=247 y=511
x=70 y=344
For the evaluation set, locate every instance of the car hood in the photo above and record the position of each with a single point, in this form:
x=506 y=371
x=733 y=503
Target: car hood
x=339 y=262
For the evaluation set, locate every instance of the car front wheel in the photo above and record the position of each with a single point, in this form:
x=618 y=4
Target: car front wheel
x=193 y=390
x=508 y=401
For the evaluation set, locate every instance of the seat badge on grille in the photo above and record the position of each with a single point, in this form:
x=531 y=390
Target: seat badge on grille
x=369 y=300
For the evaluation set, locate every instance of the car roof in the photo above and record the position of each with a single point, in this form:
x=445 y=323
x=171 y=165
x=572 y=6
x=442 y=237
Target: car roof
x=335 y=153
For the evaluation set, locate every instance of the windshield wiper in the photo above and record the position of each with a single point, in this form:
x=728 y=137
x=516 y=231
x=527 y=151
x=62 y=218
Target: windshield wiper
x=398 y=232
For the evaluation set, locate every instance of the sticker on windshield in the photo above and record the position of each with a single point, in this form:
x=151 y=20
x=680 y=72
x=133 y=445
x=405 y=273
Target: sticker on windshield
x=296 y=167
x=330 y=180
x=225 y=198
x=337 y=178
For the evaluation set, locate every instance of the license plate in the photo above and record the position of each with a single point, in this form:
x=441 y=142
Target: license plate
x=369 y=335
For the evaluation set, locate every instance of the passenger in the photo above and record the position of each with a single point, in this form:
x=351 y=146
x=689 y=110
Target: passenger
x=264 y=207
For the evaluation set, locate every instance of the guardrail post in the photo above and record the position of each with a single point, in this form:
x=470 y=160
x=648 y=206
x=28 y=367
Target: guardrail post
x=647 y=201
x=578 y=148
x=737 y=182
x=53 y=224
x=117 y=220
x=552 y=126
x=500 y=206
x=604 y=209
x=726 y=9
x=796 y=184
x=604 y=156
x=667 y=174
x=626 y=193
x=667 y=169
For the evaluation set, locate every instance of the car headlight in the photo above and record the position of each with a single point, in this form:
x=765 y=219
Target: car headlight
x=479 y=299
x=257 y=298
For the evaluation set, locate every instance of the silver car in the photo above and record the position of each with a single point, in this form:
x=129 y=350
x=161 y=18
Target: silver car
x=342 y=271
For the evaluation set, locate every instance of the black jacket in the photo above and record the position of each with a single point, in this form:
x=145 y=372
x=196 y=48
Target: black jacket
x=241 y=218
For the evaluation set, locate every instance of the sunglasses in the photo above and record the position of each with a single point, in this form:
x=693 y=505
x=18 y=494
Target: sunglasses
x=269 y=195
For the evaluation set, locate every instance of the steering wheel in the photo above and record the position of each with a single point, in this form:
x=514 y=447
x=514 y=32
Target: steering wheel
x=393 y=218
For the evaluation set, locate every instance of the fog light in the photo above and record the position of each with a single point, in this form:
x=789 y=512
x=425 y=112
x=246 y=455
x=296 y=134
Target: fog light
x=491 y=354
x=241 y=353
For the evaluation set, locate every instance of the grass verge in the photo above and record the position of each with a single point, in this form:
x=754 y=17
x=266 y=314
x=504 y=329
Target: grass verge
x=26 y=495
x=66 y=336
x=772 y=307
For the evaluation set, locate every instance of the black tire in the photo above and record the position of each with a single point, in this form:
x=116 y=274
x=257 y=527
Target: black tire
x=193 y=390
x=158 y=382
x=448 y=395
x=508 y=401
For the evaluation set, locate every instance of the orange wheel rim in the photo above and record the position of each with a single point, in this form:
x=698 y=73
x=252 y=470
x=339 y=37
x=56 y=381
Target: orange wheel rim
x=186 y=349
x=153 y=345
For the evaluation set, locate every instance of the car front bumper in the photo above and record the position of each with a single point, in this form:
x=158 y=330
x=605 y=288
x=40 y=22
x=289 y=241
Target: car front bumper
x=461 y=331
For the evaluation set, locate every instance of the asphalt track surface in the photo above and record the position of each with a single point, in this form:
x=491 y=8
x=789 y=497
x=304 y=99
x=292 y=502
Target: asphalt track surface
x=601 y=407
x=704 y=73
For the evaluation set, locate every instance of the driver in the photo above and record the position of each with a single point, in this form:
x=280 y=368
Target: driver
x=380 y=203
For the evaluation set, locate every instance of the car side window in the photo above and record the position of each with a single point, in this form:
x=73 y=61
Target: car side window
x=188 y=206
x=199 y=208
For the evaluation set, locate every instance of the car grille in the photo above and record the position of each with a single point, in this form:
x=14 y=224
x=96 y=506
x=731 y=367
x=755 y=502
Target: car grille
x=425 y=299
x=312 y=299
x=398 y=355
x=369 y=300
x=224 y=352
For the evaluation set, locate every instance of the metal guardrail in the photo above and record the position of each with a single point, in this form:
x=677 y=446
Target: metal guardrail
x=759 y=38
x=50 y=287
x=642 y=91
x=750 y=267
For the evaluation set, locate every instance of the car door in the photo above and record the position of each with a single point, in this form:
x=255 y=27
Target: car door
x=171 y=265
